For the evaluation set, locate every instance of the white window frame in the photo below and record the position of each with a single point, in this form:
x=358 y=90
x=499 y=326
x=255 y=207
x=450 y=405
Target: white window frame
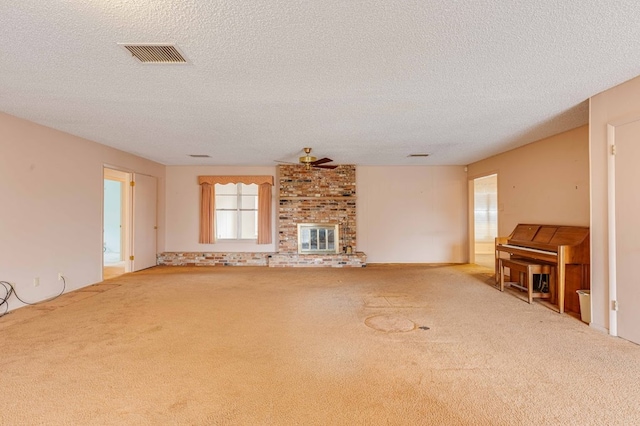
x=238 y=211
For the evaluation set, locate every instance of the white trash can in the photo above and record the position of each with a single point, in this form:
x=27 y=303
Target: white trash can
x=585 y=305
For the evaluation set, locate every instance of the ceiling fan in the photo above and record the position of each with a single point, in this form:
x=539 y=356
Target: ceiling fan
x=310 y=161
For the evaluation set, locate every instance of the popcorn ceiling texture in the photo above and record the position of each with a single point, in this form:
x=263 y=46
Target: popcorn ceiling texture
x=363 y=82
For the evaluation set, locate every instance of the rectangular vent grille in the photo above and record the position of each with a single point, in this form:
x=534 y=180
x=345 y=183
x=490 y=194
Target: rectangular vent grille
x=156 y=53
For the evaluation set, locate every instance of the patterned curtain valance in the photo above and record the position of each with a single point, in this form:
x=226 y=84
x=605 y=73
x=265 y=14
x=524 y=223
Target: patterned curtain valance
x=223 y=180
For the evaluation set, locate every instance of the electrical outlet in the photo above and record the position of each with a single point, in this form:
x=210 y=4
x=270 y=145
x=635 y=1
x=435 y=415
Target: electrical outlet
x=36 y=281
x=59 y=276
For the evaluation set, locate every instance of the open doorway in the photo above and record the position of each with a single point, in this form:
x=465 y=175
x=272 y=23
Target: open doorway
x=115 y=241
x=485 y=219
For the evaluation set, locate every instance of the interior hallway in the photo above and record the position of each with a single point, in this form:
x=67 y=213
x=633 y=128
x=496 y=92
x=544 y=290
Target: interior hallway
x=113 y=265
x=267 y=346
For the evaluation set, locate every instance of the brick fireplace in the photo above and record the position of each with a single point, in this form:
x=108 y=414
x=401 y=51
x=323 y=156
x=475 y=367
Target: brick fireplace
x=314 y=196
x=317 y=196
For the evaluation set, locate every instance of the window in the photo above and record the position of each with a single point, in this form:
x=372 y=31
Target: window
x=236 y=211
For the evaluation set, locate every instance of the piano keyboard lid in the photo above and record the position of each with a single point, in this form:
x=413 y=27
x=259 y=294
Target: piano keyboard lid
x=511 y=246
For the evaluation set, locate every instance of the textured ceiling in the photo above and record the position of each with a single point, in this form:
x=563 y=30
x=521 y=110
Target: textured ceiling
x=364 y=81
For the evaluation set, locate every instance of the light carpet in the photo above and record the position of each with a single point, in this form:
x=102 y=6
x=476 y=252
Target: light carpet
x=267 y=346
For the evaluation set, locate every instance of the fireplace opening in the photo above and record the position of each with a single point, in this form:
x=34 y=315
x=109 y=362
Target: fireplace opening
x=314 y=238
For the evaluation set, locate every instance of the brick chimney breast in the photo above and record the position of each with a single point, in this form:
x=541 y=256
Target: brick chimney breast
x=316 y=196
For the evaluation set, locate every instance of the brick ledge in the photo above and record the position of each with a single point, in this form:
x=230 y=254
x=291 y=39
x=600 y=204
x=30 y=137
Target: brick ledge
x=274 y=260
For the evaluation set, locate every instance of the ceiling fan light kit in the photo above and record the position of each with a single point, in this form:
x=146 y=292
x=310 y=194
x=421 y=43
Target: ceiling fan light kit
x=307 y=159
x=310 y=161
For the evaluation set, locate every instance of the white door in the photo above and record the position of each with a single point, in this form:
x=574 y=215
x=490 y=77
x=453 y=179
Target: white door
x=627 y=207
x=144 y=222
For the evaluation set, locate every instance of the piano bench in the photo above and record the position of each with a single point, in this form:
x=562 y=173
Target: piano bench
x=526 y=270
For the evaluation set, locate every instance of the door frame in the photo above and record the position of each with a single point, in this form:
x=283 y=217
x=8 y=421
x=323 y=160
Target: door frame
x=142 y=230
x=611 y=223
x=124 y=176
x=471 y=213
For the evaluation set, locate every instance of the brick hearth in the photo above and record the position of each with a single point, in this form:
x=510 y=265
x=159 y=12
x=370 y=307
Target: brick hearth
x=273 y=260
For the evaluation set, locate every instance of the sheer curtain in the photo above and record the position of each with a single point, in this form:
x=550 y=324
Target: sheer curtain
x=208 y=209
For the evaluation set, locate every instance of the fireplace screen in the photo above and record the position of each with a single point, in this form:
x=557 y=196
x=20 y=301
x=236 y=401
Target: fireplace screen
x=318 y=238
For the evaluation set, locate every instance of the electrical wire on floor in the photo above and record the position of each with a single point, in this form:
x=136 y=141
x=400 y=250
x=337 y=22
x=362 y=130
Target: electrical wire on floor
x=9 y=290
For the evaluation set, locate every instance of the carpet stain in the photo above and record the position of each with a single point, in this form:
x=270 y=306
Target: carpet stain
x=390 y=323
x=153 y=329
x=178 y=405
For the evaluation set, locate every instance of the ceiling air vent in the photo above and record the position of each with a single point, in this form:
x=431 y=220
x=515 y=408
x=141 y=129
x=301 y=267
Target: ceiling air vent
x=418 y=155
x=199 y=156
x=155 y=53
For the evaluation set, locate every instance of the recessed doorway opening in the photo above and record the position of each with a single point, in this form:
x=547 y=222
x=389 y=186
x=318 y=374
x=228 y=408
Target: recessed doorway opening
x=115 y=239
x=485 y=219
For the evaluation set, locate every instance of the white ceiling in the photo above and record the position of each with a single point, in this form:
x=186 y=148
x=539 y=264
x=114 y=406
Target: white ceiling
x=363 y=81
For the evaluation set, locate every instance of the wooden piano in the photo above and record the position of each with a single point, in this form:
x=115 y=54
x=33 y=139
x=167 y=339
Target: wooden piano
x=565 y=247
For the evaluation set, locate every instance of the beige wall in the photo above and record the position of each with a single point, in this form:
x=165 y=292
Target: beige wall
x=620 y=102
x=404 y=214
x=543 y=182
x=51 y=190
x=412 y=214
x=183 y=209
